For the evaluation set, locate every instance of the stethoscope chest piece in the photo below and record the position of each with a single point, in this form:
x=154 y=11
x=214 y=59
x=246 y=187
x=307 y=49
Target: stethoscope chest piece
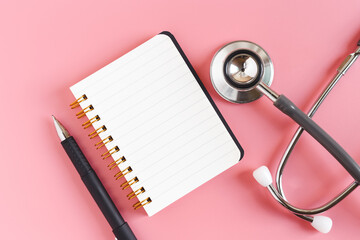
x=237 y=68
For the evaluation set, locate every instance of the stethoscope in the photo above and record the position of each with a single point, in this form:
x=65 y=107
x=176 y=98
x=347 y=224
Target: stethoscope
x=242 y=72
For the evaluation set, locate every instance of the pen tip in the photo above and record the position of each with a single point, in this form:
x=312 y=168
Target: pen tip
x=62 y=132
x=56 y=122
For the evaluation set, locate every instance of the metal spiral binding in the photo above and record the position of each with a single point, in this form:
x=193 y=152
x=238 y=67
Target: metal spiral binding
x=127 y=184
x=142 y=203
x=84 y=111
x=97 y=131
x=90 y=122
x=116 y=163
x=136 y=193
x=123 y=173
x=110 y=152
x=77 y=102
x=103 y=142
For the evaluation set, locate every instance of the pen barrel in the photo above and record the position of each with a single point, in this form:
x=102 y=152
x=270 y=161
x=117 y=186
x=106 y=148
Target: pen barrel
x=76 y=156
x=97 y=190
x=120 y=228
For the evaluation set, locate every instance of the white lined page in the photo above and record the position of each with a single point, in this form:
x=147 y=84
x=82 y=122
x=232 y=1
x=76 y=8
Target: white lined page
x=162 y=121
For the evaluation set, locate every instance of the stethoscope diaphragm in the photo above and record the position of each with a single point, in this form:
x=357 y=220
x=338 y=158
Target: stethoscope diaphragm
x=237 y=68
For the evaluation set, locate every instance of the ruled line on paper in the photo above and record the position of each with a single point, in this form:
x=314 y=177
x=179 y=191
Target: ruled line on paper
x=119 y=115
x=174 y=161
x=92 y=82
x=175 y=137
x=163 y=191
x=144 y=97
x=164 y=120
x=122 y=87
x=116 y=76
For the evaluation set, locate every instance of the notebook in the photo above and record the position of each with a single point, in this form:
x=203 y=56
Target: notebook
x=161 y=134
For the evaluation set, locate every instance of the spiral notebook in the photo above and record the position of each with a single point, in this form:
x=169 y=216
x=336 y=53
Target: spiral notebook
x=161 y=133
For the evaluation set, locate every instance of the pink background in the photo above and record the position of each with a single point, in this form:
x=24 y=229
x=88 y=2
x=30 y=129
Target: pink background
x=47 y=46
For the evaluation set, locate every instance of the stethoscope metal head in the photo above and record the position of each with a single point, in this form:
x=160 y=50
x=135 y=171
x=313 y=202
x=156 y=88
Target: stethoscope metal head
x=238 y=68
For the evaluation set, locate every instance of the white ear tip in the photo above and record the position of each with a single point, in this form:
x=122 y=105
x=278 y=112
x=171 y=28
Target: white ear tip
x=262 y=176
x=322 y=224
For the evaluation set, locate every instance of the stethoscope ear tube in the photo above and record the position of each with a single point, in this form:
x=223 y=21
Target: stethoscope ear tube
x=290 y=109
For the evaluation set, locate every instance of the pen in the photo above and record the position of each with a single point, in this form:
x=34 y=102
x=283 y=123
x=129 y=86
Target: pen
x=97 y=190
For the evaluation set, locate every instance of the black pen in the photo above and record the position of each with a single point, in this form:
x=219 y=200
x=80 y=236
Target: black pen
x=97 y=190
